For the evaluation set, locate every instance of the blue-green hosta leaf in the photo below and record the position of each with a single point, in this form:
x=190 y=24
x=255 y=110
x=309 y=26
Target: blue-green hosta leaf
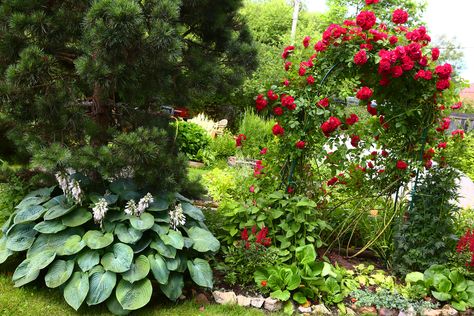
x=109 y=198
x=30 y=201
x=73 y=245
x=174 y=239
x=203 y=240
x=43 y=192
x=158 y=268
x=142 y=244
x=25 y=273
x=4 y=251
x=188 y=242
x=6 y=225
x=161 y=229
x=50 y=227
x=42 y=260
x=29 y=214
x=101 y=286
x=77 y=217
x=88 y=259
x=114 y=306
x=60 y=199
x=95 y=239
x=173 y=263
x=128 y=235
x=58 y=211
x=119 y=260
x=76 y=289
x=201 y=272
x=182 y=198
x=174 y=287
x=160 y=204
x=97 y=268
x=120 y=186
x=133 y=296
x=164 y=250
x=193 y=212
x=21 y=236
x=51 y=241
x=142 y=222
x=58 y=273
x=138 y=271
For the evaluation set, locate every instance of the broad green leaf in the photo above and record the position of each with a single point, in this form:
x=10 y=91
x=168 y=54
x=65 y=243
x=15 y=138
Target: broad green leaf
x=73 y=245
x=143 y=222
x=158 y=205
x=42 y=260
x=30 y=201
x=460 y=306
x=299 y=298
x=97 y=268
x=158 y=268
x=54 y=242
x=95 y=239
x=305 y=254
x=128 y=235
x=203 y=240
x=76 y=289
x=442 y=283
x=281 y=295
x=200 y=272
x=29 y=214
x=24 y=273
x=4 y=251
x=101 y=286
x=293 y=282
x=119 y=260
x=43 y=192
x=58 y=211
x=122 y=186
x=173 y=263
x=60 y=199
x=21 y=236
x=133 y=296
x=88 y=259
x=441 y=296
x=160 y=229
x=138 y=271
x=114 y=306
x=58 y=273
x=459 y=281
x=141 y=244
x=193 y=212
x=174 y=239
x=174 y=287
x=50 y=227
x=164 y=250
x=77 y=217
x=414 y=277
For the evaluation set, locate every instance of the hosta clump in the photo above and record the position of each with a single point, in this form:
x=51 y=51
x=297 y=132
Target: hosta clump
x=104 y=248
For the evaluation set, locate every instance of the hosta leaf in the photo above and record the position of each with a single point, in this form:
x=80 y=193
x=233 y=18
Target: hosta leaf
x=121 y=186
x=141 y=245
x=51 y=241
x=174 y=287
x=29 y=214
x=73 y=245
x=88 y=259
x=43 y=192
x=164 y=250
x=133 y=296
x=158 y=268
x=30 y=201
x=160 y=229
x=24 y=273
x=21 y=236
x=173 y=263
x=173 y=238
x=160 y=204
x=114 y=306
x=109 y=198
x=119 y=260
x=76 y=289
x=58 y=211
x=4 y=251
x=128 y=235
x=58 y=273
x=203 y=240
x=201 y=272
x=77 y=217
x=42 y=260
x=142 y=222
x=138 y=271
x=192 y=211
x=101 y=286
x=97 y=268
x=60 y=199
x=50 y=227
x=95 y=239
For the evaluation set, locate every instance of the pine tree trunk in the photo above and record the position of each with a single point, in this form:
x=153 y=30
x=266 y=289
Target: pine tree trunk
x=101 y=113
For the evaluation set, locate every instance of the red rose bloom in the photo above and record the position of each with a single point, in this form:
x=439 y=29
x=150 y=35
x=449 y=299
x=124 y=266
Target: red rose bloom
x=428 y=164
x=330 y=125
x=288 y=65
x=333 y=181
x=370 y=165
x=252 y=189
x=413 y=51
x=324 y=103
x=261 y=102
x=424 y=74
x=310 y=80
x=444 y=71
x=442 y=84
x=402 y=165
x=287 y=51
x=320 y=46
x=396 y=71
x=459 y=132
x=302 y=71
x=444 y=124
x=286 y=82
x=277 y=130
x=456 y=106
x=423 y=61
x=352 y=119
x=366 y=19
x=384 y=82
x=442 y=145
x=239 y=139
x=384 y=153
x=399 y=16
x=306 y=41
x=355 y=140
x=434 y=53
x=287 y=101
x=369 y=2
x=361 y=57
x=372 y=110
x=384 y=66
x=300 y=144
x=263 y=151
x=272 y=95
x=393 y=39
x=407 y=63
x=364 y=93
x=278 y=111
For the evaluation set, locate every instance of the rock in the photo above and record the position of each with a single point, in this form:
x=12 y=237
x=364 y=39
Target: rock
x=304 y=310
x=409 y=312
x=370 y=310
x=431 y=312
x=272 y=305
x=468 y=312
x=447 y=310
x=201 y=299
x=321 y=310
x=243 y=300
x=350 y=311
x=388 y=312
x=224 y=297
x=257 y=302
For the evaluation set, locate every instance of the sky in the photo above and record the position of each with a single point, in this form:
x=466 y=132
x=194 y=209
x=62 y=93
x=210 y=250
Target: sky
x=451 y=18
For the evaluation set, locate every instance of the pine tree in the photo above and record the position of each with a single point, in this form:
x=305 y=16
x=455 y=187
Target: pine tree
x=82 y=82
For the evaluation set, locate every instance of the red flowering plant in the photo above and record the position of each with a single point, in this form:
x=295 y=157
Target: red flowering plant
x=466 y=246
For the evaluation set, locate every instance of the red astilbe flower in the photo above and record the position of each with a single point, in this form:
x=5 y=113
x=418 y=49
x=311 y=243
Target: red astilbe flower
x=465 y=244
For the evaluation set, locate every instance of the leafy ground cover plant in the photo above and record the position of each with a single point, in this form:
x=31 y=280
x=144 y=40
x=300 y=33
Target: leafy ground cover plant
x=192 y=139
x=107 y=247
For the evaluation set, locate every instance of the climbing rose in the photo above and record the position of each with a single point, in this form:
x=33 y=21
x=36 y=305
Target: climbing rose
x=286 y=82
x=364 y=93
x=333 y=181
x=366 y=19
x=459 y=132
x=287 y=51
x=310 y=80
x=442 y=84
x=444 y=124
x=369 y=2
x=306 y=41
x=372 y=110
x=434 y=53
x=352 y=119
x=399 y=16
x=300 y=144
x=278 y=111
x=330 y=125
x=287 y=65
x=320 y=46
x=361 y=57
x=239 y=139
x=396 y=71
x=355 y=140
x=444 y=71
x=278 y=130
x=272 y=95
x=252 y=189
x=428 y=164
x=442 y=145
x=456 y=106
x=393 y=39
x=384 y=153
x=288 y=101
x=261 y=102
x=324 y=103
x=402 y=165
x=424 y=74
x=263 y=151
x=302 y=71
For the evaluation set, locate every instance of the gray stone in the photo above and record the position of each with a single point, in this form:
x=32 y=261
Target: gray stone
x=321 y=310
x=303 y=310
x=432 y=312
x=447 y=310
x=409 y=312
x=388 y=312
x=272 y=305
x=243 y=300
x=257 y=302
x=224 y=297
x=350 y=311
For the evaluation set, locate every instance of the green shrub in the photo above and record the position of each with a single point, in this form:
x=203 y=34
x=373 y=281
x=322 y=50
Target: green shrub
x=107 y=247
x=218 y=149
x=466 y=157
x=258 y=132
x=192 y=139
